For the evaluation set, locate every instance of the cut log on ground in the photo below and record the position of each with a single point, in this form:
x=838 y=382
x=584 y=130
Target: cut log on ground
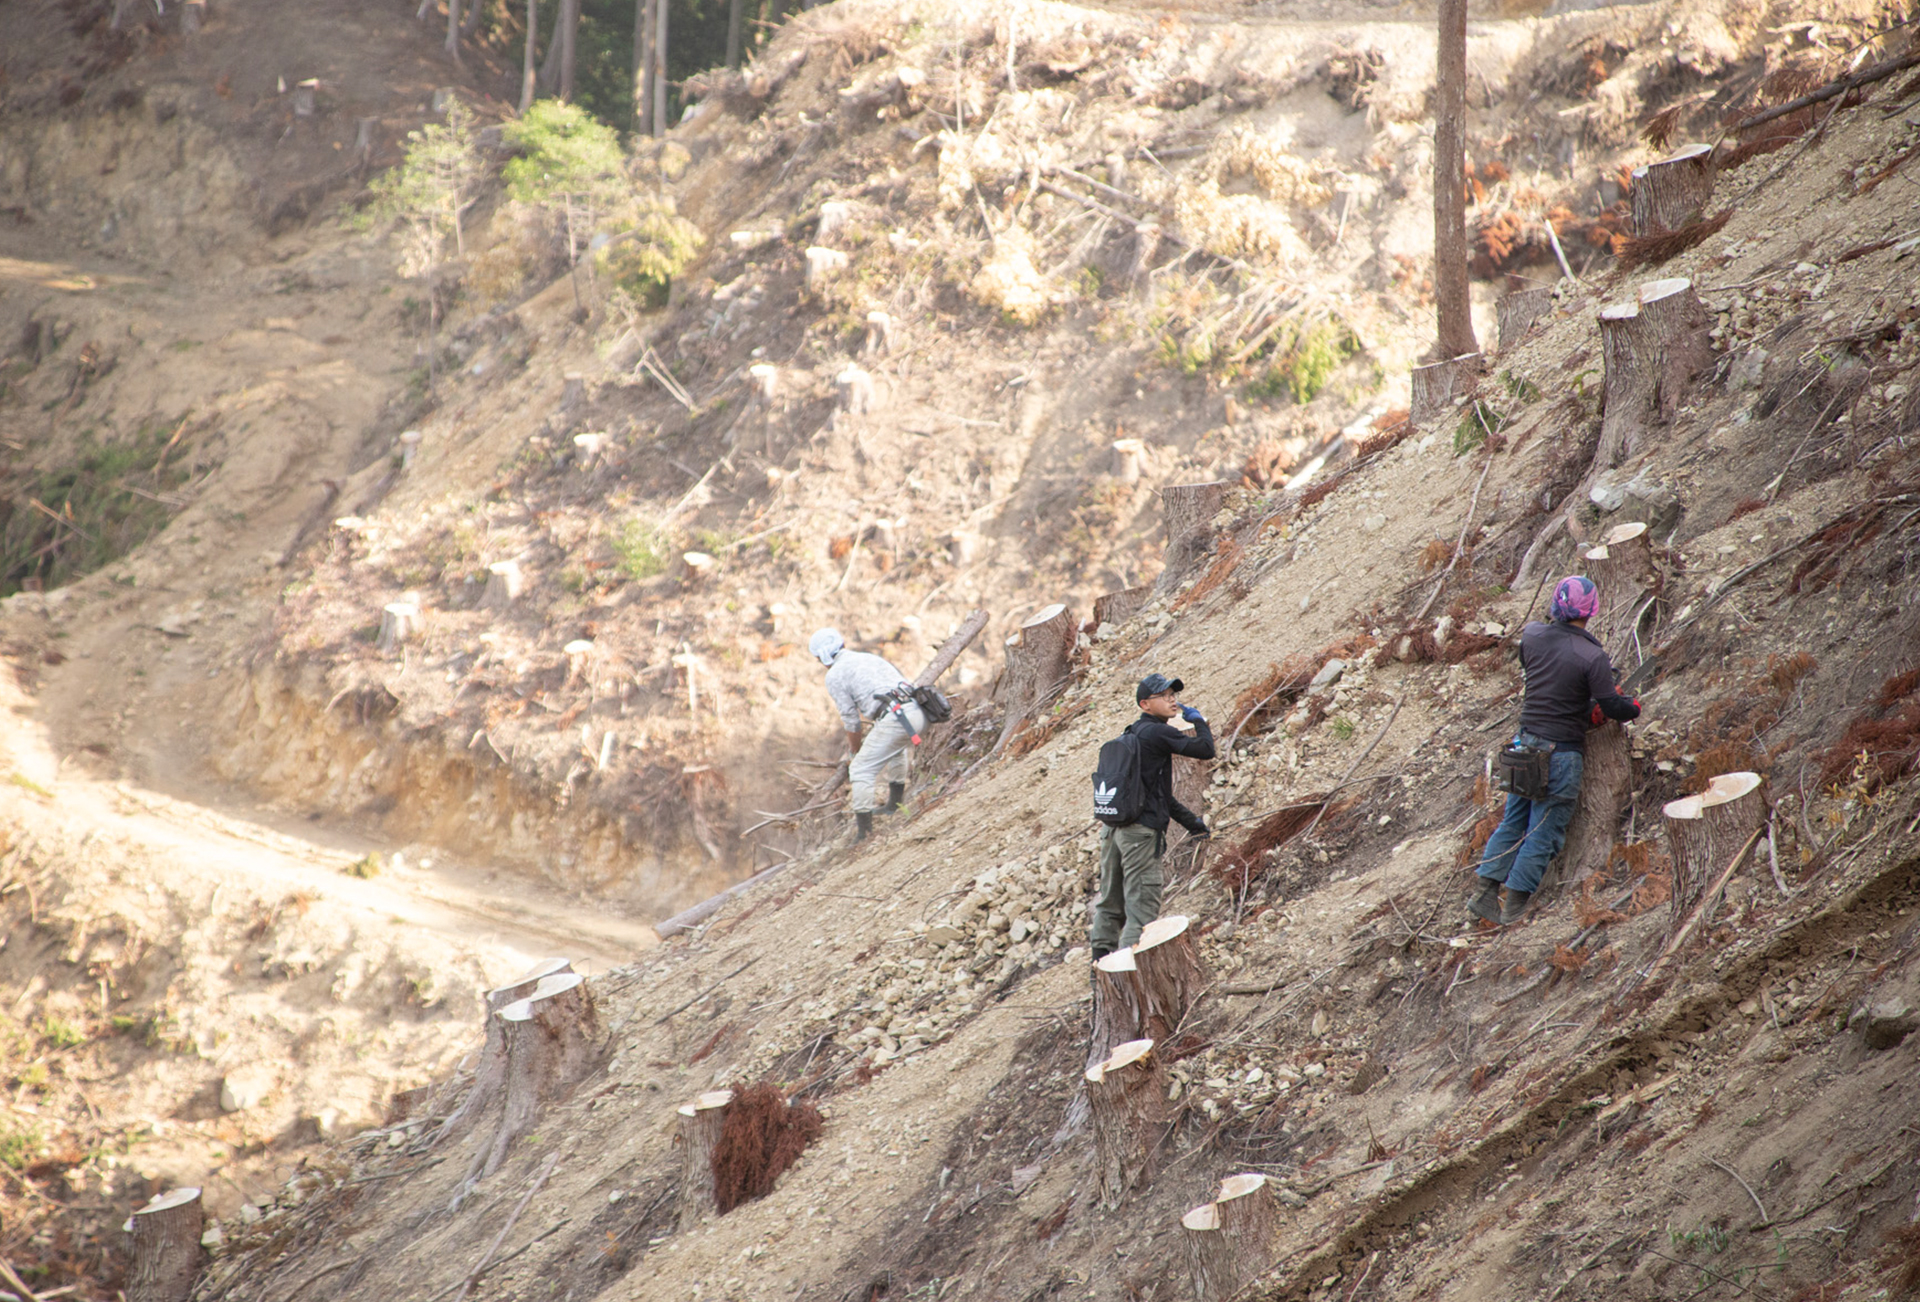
x=1704 y=831
x=1519 y=310
x=1673 y=192
x=505 y=583
x=1230 y=1241
x=490 y=1072
x=1440 y=387
x=1621 y=568
x=1605 y=784
x=399 y=623
x=1127 y=1099
x=701 y=1122
x=1036 y=664
x=1653 y=347
x=166 y=1247
x=1145 y=991
x=553 y=1042
x=1188 y=510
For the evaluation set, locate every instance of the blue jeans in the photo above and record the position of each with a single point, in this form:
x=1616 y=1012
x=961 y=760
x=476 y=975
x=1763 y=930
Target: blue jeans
x=1533 y=831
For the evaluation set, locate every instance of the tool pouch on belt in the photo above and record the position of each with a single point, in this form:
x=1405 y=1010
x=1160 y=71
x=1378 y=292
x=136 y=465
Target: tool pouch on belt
x=1524 y=770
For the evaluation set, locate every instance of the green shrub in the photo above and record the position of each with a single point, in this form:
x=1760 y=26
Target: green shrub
x=642 y=549
x=64 y=1034
x=1316 y=355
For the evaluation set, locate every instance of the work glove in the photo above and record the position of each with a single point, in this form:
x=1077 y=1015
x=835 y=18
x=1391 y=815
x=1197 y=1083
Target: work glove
x=1596 y=716
x=1192 y=715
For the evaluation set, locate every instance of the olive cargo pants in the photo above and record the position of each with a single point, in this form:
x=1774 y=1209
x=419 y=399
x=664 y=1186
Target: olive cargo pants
x=1130 y=883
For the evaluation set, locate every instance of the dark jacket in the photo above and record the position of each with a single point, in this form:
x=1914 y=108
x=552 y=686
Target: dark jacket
x=1567 y=672
x=1159 y=743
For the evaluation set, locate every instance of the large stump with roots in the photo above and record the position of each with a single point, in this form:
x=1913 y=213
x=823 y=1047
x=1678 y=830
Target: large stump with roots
x=1706 y=831
x=1519 y=310
x=1606 y=782
x=1127 y=1099
x=1037 y=657
x=701 y=1122
x=553 y=1042
x=1144 y=991
x=1653 y=348
x=1673 y=192
x=1188 y=510
x=166 y=1247
x=1621 y=568
x=490 y=1072
x=1441 y=386
x=1230 y=1240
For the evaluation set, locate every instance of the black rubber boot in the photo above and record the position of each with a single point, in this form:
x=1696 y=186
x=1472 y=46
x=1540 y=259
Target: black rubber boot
x=862 y=827
x=896 y=792
x=1515 y=906
x=1485 y=903
x=1100 y=952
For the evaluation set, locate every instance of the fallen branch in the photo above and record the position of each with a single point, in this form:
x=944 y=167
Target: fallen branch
x=1832 y=88
x=1458 y=546
x=1351 y=768
x=666 y=1017
x=1764 y=1219
x=466 y=1285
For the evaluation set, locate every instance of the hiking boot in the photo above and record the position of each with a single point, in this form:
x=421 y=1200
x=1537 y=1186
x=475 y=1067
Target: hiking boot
x=862 y=827
x=1515 y=906
x=896 y=792
x=1485 y=903
x=1100 y=952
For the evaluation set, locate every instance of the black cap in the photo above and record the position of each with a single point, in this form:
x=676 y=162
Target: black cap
x=1154 y=684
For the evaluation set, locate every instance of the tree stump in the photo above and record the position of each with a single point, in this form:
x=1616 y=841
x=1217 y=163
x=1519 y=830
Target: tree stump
x=409 y=447
x=1653 y=348
x=1673 y=192
x=879 y=340
x=1519 y=310
x=1440 y=387
x=856 y=391
x=1188 y=511
x=1230 y=1240
x=579 y=659
x=552 y=1038
x=193 y=16
x=1707 y=830
x=305 y=98
x=490 y=1072
x=1130 y=459
x=1606 y=782
x=1036 y=663
x=399 y=622
x=1141 y=248
x=766 y=380
x=833 y=219
x=962 y=545
x=573 y=391
x=166 y=1247
x=1145 y=990
x=1621 y=567
x=505 y=583
x=823 y=265
x=362 y=133
x=700 y=1124
x=1116 y=608
x=587 y=449
x=1127 y=1099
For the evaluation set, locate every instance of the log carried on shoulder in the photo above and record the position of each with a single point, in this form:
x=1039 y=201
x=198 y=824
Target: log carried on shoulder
x=1673 y=192
x=1230 y=1240
x=1145 y=990
x=701 y=1122
x=166 y=1246
x=1704 y=830
x=1654 y=346
x=1127 y=1099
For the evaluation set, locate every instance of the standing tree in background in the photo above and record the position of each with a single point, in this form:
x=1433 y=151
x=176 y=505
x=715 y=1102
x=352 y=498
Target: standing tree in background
x=527 y=73
x=659 y=116
x=643 y=66
x=733 y=34
x=569 y=161
x=424 y=199
x=556 y=74
x=1450 y=186
x=453 y=29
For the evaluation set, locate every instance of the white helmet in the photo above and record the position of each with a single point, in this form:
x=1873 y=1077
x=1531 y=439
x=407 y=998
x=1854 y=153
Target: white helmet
x=826 y=646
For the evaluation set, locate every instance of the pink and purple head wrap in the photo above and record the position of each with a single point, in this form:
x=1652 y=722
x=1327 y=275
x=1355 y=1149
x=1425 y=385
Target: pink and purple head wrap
x=1575 y=598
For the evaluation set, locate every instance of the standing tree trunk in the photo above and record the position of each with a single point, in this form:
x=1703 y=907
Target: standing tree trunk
x=733 y=34
x=1707 y=830
x=527 y=72
x=550 y=65
x=660 y=123
x=701 y=1122
x=643 y=67
x=453 y=30
x=1127 y=1098
x=166 y=1247
x=569 y=34
x=470 y=20
x=1450 y=185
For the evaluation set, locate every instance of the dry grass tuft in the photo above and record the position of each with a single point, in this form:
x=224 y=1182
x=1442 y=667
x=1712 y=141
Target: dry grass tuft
x=763 y=1135
x=1248 y=862
x=1645 y=250
x=1901 y=1254
x=1882 y=741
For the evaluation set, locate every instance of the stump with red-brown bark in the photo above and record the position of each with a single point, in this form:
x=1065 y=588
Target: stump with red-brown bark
x=1127 y=1100
x=1230 y=1240
x=1188 y=510
x=1145 y=990
x=1673 y=192
x=701 y=1122
x=1037 y=657
x=1653 y=348
x=1441 y=386
x=553 y=1042
x=166 y=1247
x=1705 y=831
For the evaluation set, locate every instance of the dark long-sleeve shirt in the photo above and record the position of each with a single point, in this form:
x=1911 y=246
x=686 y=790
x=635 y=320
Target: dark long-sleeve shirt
x=1567 y=672
x=1159 y=743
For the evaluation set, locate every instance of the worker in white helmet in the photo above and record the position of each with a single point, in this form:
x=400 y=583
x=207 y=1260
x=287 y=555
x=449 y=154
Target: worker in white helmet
x=866 y=688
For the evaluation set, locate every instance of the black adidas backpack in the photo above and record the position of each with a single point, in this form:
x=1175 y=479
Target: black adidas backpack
x=1118 y=795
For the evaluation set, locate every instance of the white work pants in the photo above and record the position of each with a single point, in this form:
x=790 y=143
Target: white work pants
x=883 y=757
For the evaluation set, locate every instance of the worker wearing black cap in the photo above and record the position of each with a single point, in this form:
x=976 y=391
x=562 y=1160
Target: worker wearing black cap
x=1130 y=878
